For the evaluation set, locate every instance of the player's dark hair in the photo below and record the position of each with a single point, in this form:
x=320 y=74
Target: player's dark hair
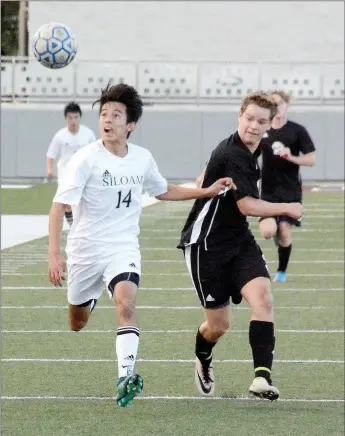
x=261 y=99
x=283 y=95
x=71 y=108
x=125 y=94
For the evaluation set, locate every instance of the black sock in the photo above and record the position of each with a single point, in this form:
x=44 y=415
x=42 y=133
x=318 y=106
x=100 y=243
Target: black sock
x=203 y=348
x=262 y=341
x=284 y=256
x=69 y=217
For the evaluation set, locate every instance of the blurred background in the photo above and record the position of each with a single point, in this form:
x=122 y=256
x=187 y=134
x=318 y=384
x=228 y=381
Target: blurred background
x=192 y=63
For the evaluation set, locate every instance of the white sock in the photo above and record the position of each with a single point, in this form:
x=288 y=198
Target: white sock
x=127 y=343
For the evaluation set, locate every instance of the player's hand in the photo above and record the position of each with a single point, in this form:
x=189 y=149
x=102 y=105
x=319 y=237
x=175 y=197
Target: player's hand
x=220 y=186
x=50 y=175
x=295 y=210
x=285 y=153
x=56 y=269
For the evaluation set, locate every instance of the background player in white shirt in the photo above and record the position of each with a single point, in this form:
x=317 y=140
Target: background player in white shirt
x=65 y=143
x=103 y=183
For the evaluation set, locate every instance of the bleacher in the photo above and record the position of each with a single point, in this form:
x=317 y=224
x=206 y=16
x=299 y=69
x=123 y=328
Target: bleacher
x=25 y=80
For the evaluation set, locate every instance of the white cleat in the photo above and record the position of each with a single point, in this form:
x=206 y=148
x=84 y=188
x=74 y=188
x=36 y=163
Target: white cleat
x=204 y=378
x=262 y=389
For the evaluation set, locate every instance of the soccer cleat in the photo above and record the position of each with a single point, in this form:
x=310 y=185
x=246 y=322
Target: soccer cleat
x=128 y=388
x=261 y=388
x=204 y=377
x=280 y=277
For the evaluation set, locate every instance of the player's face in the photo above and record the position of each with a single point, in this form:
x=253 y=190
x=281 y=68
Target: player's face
x=253 y=123
x=282 y=107
x=73 y=121
x=113 y=124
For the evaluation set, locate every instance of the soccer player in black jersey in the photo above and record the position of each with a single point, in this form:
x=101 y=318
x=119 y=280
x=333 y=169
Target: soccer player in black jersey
x=221 y=254
x=285 y=147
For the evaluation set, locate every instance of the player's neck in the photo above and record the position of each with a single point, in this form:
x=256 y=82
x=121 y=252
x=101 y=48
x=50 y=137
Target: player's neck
x=73 y=131
x=120 y=149
x=279 y=123
x=252 y=147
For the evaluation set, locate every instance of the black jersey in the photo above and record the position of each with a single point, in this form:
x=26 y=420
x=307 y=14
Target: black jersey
x=218 y=222
x=281 y=180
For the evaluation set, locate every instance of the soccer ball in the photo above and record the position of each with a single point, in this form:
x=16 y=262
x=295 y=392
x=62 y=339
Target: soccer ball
x=54 y=45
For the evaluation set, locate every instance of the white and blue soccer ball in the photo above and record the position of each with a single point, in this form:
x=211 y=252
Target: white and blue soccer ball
x=54 y=45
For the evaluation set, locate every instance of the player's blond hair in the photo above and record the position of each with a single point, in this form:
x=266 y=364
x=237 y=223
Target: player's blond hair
x=283 y=95
x=261 y=99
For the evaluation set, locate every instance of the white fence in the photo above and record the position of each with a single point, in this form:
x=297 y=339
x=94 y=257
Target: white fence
x=24 y=79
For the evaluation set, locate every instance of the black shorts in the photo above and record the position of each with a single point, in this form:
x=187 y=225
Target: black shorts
x=218 y=275
x=286 y=219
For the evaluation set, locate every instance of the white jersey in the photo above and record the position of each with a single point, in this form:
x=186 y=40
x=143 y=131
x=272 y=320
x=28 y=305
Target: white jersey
x=64 y=144
x=105 y=192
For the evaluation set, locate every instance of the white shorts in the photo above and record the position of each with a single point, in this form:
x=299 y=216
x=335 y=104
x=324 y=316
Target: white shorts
x=86 y=282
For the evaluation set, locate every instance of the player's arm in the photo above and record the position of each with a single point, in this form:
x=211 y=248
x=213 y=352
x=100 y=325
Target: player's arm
x=247 y=195
x=69 y=192
x=250 y=206
x=306 y=147
x=57 y=265
x=306 y=160
x=200 y=178
x=180 y=193
x=52 y=154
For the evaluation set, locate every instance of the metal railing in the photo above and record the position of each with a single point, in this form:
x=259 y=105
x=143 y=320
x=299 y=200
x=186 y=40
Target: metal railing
x=25 y=80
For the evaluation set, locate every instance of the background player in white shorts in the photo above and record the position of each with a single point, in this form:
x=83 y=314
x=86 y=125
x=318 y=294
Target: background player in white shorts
x=65 y=143
x=104 y=183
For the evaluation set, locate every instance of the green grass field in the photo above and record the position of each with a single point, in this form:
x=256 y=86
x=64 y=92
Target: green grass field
x=60 y=383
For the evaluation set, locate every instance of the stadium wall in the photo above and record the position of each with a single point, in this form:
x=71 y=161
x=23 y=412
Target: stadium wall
x=181 y=139
x=200 y=31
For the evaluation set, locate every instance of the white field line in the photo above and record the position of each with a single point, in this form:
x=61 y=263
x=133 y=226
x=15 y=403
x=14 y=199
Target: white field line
x=167 y=398
x=170 y=307
x=306 y=217
x=14 y=260
x=51 y=288
x=173 y=361
x=42 y=255
x=164 y=331
x=179 y=274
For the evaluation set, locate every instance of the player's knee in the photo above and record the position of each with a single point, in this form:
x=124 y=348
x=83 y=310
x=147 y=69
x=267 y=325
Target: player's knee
x=267 y=233
x=125 y=308
x=77 y=325
x=263 y=303
x=220 y=328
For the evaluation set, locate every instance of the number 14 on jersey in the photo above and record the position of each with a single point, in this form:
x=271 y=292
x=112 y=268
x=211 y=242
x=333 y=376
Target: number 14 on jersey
x=126 y=200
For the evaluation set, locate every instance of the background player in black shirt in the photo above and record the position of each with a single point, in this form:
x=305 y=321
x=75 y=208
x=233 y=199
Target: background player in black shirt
x=221 y=254
x=285 y=147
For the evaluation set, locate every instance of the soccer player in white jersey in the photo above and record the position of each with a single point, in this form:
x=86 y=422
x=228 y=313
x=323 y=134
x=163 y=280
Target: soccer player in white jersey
x=65 y=143
x=103 y=183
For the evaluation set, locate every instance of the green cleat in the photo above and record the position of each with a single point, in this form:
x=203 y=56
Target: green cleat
x=128 y=388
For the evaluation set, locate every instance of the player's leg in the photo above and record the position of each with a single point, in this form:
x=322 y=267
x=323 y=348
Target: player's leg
x=208 y=334
x=122 y=288
x=268 y=227
x=253 y=279
x=85 y=286
x=69 y=215
x=284 y=250
x=213 y=294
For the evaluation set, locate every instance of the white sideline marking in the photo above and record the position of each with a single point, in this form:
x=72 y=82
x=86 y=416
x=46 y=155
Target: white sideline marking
x=34 y=260
x=17 y=229
x=172 y=307
x=47 y=288
x=171 y=398
x=16 y=186
x=167 y=331
x=41 y=360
